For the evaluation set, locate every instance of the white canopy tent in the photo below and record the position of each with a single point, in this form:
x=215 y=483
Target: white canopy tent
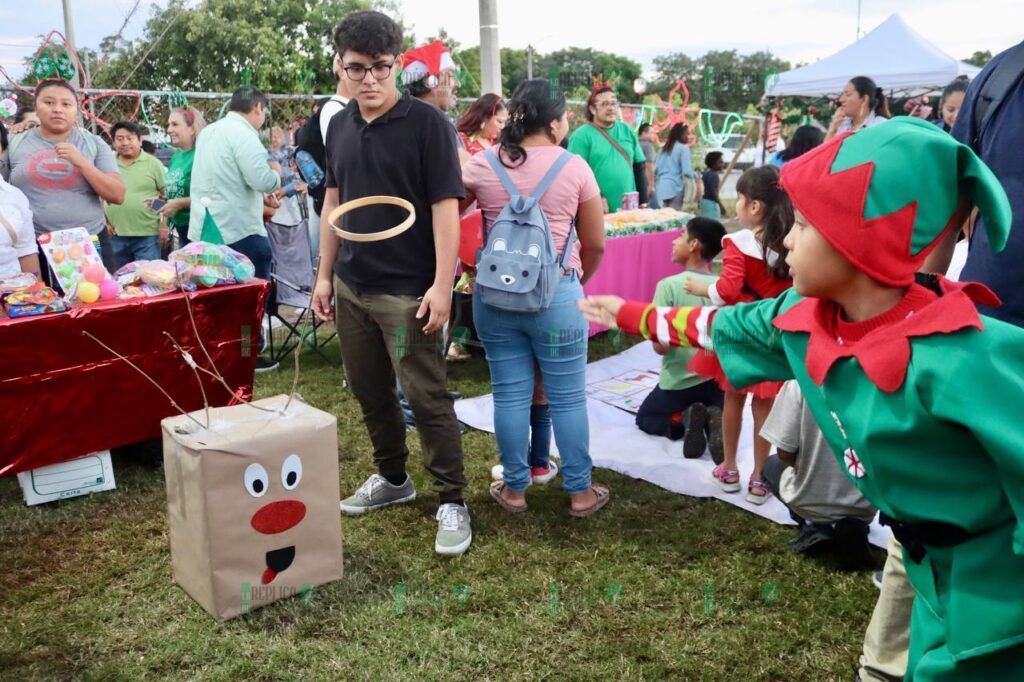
x=897 y=58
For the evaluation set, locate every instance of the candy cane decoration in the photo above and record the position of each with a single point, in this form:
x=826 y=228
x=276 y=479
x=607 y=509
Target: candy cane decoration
x=774 y=130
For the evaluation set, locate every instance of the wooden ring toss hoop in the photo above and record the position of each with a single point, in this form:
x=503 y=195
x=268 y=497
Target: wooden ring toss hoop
x=334 y=218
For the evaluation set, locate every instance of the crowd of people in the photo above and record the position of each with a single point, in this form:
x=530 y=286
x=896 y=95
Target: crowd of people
x=812 y=317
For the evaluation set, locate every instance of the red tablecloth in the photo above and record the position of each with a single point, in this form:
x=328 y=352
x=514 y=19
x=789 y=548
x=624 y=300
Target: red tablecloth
x=632 y=267
x=63 y=396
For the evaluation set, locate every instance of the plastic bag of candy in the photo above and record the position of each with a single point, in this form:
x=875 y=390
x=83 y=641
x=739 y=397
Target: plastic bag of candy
x=214 y=265
x=154 y=277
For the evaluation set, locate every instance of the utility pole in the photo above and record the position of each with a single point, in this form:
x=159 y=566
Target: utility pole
x=858 y=19
x=490 y=52
x=529 y=62
x=69 y=24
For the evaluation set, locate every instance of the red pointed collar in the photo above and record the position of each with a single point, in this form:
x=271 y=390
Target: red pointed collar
x=882 y=344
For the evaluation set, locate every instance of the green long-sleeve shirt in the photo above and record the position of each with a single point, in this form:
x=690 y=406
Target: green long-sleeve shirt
x=231 y=171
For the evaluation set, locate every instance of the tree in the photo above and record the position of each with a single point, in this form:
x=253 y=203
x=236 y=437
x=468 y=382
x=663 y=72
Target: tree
x=577 y=67
x=669 y=69
x=513 y=70
x=286 y=47
x=720 y=79
x=979 y=58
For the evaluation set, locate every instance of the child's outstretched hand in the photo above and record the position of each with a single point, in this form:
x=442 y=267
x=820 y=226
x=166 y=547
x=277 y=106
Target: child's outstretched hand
x=695 y=287
x=601 y=309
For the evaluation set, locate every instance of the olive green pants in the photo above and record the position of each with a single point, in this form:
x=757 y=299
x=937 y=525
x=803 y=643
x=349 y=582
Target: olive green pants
x=380 y=339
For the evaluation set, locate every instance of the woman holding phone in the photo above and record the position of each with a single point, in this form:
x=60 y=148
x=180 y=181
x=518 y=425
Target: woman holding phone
x=183 y=127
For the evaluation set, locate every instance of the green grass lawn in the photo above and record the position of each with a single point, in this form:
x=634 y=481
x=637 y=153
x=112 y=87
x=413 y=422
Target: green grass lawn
x=657 y=586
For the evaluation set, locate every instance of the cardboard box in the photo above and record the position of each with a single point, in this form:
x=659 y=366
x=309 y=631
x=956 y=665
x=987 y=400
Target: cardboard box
x=90 y=474
x=253 y=504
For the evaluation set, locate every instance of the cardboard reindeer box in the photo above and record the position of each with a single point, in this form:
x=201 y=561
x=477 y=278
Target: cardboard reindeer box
x=252 y=503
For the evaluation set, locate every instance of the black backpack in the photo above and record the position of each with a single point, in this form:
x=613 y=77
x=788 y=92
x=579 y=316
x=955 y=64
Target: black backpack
x=993 y=90
x=309 y=139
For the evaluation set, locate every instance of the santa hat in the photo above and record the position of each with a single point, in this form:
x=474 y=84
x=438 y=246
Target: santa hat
x=426 y=61
x=886 y=195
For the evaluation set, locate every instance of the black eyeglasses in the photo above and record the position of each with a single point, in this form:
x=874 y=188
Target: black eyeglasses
x=380 y=71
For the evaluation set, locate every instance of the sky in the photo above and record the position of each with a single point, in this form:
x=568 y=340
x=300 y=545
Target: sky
x=796 y=30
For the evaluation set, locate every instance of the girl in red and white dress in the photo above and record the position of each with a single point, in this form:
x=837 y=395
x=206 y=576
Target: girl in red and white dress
x=753 y=267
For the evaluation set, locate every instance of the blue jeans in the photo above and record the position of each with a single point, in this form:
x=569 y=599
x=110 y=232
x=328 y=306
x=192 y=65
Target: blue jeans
x=257 y=249
x=556 y=339
x=540 y=436
x=128 y=249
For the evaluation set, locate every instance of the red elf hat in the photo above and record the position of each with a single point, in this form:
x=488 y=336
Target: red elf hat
x=885 y=196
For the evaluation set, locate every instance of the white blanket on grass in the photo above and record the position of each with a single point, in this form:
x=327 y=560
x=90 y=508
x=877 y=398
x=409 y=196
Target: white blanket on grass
x=617 y=444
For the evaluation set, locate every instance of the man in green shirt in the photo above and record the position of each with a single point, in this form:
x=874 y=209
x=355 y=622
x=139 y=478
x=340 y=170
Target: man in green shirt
x=230 y=176
x=685 y=405
x=136 y=232
x=610 y=147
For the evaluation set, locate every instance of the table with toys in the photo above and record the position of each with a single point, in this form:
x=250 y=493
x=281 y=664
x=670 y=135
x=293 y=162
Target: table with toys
x=67 y=384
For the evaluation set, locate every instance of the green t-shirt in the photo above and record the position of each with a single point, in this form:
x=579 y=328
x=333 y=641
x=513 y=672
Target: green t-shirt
x=143 y=179
x=614 y=174
x=179 y=183
x=670 y=292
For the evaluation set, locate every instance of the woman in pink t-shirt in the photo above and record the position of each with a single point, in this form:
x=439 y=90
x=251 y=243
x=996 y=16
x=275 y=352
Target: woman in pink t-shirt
x=555 y=338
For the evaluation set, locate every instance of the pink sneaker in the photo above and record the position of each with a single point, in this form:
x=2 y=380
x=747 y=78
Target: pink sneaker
x=757 y=492
x=727 y=479
x=542 y=475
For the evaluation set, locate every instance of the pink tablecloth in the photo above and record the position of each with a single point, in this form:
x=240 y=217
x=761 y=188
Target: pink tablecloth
x=633 y=266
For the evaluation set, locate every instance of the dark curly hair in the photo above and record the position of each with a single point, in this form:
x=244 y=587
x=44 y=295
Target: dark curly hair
x=368 y=32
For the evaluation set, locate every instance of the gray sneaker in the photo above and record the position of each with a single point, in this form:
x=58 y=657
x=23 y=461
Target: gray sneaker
x=377 y=493
x=453 y=532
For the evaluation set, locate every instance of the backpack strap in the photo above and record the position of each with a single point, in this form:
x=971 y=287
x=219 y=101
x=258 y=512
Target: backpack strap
x=542 y=187
x=538 y=192
x=563 y=262
x=997 y=85
x=550 y=176
x=502 y=173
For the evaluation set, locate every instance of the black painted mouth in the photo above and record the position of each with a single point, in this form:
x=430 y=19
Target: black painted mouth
x=279 y=560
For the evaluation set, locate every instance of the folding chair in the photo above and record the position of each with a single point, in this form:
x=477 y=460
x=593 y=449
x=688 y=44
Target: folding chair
x=294 y=273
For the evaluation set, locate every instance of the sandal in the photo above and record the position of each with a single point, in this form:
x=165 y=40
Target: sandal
x=496 y=488
x=727 y=479
x=758 y=492
x=603 y=495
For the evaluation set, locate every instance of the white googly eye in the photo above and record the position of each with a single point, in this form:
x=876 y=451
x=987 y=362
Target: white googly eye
x=291 y=472
x=533 y=251
x=256 y=480
x=499 y=245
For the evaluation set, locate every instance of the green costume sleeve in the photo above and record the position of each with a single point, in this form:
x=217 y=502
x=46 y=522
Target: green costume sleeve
x=979 y=385
x=748 y=346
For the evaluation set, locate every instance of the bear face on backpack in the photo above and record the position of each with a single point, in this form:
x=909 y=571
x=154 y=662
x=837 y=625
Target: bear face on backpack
x=517 y=267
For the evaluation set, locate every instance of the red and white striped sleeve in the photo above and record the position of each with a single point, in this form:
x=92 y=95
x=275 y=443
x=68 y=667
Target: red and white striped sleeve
x=671 y=326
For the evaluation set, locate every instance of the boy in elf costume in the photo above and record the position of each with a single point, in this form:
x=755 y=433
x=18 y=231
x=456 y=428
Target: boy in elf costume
x=916 y=393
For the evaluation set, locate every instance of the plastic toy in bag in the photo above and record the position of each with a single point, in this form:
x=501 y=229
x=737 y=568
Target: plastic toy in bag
x=214 y=265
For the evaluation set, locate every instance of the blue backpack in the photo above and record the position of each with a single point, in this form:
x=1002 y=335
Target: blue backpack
x=517 y=268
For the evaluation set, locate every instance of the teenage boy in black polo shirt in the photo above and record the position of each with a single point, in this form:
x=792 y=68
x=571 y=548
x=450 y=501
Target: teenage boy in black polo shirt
x=392 y=298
